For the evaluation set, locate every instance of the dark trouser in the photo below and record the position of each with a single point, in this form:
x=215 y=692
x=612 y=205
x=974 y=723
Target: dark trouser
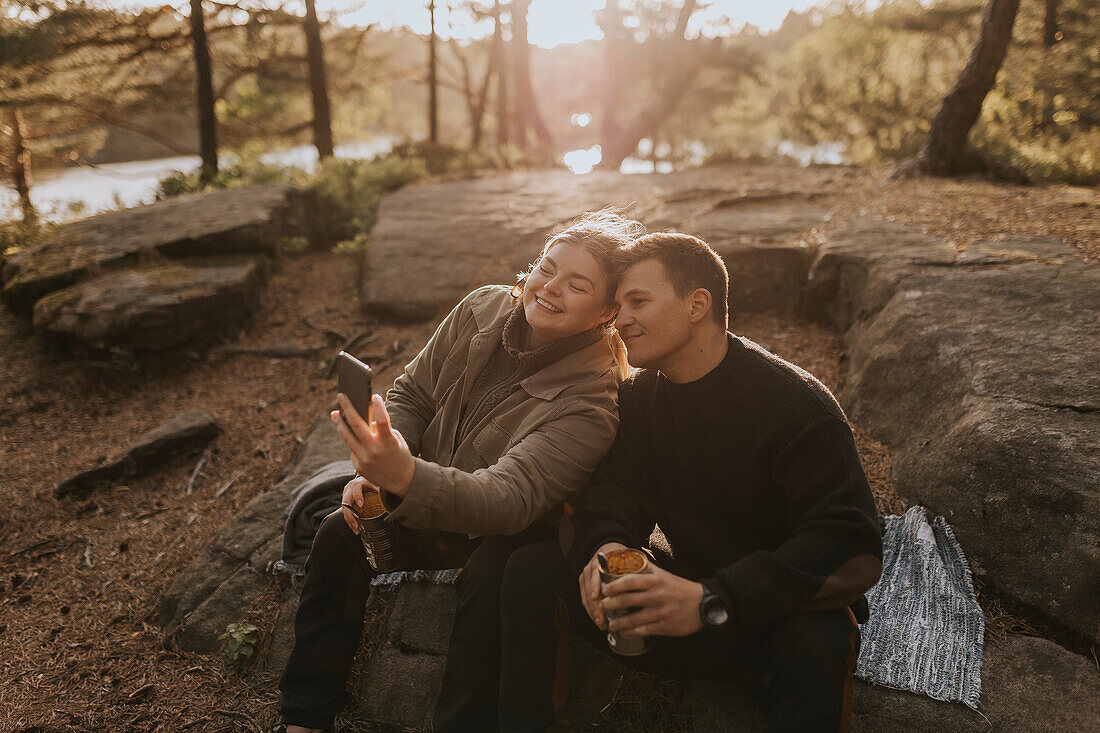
x=329 y=622
x=468 y=700
x=800 y=668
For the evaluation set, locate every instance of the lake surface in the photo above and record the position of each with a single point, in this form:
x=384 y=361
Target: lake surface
x=72 y=193
x=69 y=193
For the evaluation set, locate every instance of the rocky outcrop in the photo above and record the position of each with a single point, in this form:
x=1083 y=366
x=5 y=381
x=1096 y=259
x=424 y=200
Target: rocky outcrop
x=432 y=244
x=152 y=307
x=231 y=570
x=978 y=369
x=151 y=266
x=184 y=432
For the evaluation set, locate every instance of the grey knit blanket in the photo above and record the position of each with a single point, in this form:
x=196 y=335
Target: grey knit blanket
x=926 y=630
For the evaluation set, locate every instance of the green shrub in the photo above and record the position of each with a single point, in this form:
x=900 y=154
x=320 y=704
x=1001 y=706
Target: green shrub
x=240 y=641
x=346 y=192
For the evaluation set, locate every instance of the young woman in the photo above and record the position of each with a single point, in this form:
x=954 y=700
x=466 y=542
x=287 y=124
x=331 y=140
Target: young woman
x=506 y=411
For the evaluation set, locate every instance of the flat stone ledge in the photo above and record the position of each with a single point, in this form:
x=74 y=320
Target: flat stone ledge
x=152 y=307
x=248 y=219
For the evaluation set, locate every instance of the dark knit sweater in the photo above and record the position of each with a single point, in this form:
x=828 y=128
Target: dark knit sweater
x=752 y=474
x=511 y=363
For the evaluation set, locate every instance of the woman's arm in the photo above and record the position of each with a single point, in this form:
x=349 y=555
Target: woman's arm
x=527 y=481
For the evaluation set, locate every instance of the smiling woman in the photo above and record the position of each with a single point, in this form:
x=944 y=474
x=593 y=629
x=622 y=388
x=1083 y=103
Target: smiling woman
x=503 y=414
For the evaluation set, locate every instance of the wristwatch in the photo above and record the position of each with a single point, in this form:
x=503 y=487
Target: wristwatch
x=711 y=610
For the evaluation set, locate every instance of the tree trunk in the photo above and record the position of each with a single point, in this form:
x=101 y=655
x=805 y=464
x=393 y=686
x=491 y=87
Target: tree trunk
x=612 y=22
x=204 y=92
x=318 y=83
x=945 y=150
x=503 y=117
x=1050 y=37
x=527 y=112
x=682 y=71
x=433 y=99
x=1050 y=24
x=20 y=168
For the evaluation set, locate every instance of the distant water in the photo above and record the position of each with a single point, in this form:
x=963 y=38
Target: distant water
x=86 y=190
x=650 y=160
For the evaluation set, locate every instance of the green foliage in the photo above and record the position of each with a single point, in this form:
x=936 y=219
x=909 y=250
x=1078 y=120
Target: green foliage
x=872 y=80
x=346 y=191
x=240 y=641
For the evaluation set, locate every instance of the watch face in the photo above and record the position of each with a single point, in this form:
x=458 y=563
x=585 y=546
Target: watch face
x=716 y=615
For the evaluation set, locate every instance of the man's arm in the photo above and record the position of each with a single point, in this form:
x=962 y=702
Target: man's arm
x=834 y=552
x=833 y=555
x=609 y=508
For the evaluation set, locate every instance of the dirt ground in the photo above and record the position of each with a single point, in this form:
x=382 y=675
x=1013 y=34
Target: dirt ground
x=80 y=581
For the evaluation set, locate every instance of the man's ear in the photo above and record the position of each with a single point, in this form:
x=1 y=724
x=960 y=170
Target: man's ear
x=700 y=305
x=609 y=315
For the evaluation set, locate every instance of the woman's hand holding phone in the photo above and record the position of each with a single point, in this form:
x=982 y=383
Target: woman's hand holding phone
x=378 y=451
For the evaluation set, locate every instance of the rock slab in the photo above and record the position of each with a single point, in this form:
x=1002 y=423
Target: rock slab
x=93 y=280
x=978 y=369
x=434 y=243
x=152 y=307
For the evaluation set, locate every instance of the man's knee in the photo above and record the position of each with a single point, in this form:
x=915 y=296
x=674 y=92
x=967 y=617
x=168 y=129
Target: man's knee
x=812 y=645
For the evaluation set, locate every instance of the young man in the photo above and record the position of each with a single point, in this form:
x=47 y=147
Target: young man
x=748 y=465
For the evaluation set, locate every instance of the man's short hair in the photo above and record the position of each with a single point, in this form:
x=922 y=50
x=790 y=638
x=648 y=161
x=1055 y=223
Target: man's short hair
x=690 y=264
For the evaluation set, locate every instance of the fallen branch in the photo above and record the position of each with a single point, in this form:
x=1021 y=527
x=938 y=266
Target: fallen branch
x=228 y=483
x=198 y=469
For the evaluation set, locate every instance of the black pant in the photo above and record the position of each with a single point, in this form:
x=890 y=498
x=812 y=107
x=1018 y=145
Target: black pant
x=329 y=622
x=800 y=668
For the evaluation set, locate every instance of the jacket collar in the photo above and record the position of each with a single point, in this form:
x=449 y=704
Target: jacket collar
x=490 y=314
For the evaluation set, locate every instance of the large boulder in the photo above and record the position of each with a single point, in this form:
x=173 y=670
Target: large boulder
x=152 y=307
x=978 y=369
x=156 y=276
x=249 y=219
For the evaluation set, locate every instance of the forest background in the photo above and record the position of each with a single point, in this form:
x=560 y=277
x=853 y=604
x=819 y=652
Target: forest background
x=853 y=82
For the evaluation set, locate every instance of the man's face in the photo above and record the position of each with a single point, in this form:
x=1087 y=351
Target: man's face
x=653 y=321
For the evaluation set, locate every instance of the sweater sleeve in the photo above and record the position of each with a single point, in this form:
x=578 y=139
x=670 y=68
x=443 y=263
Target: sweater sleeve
x=609 y=508
x=530 y=478
x=834 y=550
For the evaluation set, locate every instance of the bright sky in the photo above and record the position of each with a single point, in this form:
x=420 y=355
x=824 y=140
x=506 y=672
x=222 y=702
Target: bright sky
x=550 y=22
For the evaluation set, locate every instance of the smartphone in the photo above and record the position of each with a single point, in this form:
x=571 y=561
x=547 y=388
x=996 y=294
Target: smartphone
x=353 y=378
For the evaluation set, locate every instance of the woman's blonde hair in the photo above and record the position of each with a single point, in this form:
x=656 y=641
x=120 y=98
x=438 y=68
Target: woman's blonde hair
x=604 y=234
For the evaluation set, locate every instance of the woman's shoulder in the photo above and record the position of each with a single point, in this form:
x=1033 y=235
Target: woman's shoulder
x=489 y=304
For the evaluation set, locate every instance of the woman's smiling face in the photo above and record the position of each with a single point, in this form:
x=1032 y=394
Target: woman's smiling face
x=566 y=293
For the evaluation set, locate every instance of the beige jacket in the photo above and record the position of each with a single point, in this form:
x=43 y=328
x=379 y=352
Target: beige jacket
x=539 y=445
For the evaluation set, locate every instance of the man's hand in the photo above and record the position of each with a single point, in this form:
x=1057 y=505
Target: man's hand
x=353 y=495
x=668 y=604
x=589 y=581
x=378 y=452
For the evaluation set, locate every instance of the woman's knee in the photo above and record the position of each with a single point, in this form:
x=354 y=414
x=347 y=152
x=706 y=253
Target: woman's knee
x=333 y=544
x=531 y=576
